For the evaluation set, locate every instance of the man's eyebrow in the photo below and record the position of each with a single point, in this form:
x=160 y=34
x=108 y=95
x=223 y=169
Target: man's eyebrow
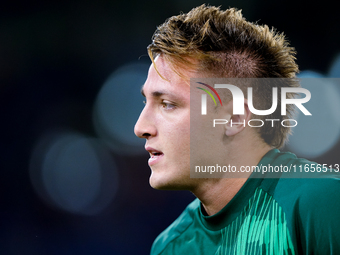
x=156 y=93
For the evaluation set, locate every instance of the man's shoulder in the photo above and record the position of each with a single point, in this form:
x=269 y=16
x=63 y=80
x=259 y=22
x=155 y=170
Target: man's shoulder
x=313 y=196
x=309 y=200
x=304 y=182
x=312 y=207
x=176 y=228
x=308 y=194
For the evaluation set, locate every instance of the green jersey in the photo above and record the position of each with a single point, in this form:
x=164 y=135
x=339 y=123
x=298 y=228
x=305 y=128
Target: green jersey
x=266 y=216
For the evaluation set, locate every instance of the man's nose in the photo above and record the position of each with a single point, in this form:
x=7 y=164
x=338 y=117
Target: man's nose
x=145 y=126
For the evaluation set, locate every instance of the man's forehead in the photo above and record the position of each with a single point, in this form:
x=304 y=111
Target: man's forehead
x=164 y=82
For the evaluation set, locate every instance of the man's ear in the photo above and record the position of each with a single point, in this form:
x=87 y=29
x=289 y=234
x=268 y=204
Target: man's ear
x=236 y=123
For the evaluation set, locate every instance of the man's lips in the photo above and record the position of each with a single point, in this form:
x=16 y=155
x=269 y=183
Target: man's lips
x=155 y=155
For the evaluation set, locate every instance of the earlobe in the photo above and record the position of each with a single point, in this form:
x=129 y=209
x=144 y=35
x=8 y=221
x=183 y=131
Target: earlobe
x=237 y=122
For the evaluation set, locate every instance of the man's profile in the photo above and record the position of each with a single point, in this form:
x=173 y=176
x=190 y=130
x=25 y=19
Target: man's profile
x=242 y=215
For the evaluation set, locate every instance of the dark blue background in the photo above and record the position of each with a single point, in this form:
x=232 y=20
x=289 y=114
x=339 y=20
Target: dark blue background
x=52 y=51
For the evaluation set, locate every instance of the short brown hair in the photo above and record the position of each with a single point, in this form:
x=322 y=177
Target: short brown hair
x=226 y=45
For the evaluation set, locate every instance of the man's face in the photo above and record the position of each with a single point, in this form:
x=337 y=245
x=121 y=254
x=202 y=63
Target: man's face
x=165 y=124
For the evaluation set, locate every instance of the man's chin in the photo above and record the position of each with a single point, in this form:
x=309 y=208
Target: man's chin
x=163 y=184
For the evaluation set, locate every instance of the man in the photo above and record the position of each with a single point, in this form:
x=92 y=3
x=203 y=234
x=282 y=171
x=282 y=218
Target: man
x=231 y=215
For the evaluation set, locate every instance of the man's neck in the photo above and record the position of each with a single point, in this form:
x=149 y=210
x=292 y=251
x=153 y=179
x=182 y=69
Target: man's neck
x=215 y=194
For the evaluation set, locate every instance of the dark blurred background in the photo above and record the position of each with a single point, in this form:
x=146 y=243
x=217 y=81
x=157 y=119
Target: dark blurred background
x=74 y=179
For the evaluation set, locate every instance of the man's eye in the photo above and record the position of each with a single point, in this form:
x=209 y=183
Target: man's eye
x=168 y=106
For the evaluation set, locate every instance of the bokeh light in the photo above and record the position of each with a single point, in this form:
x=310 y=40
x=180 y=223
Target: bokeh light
x=73 y=172
x=334 y=71
x=315 y=135
x=310 y=74
x=118 y=106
